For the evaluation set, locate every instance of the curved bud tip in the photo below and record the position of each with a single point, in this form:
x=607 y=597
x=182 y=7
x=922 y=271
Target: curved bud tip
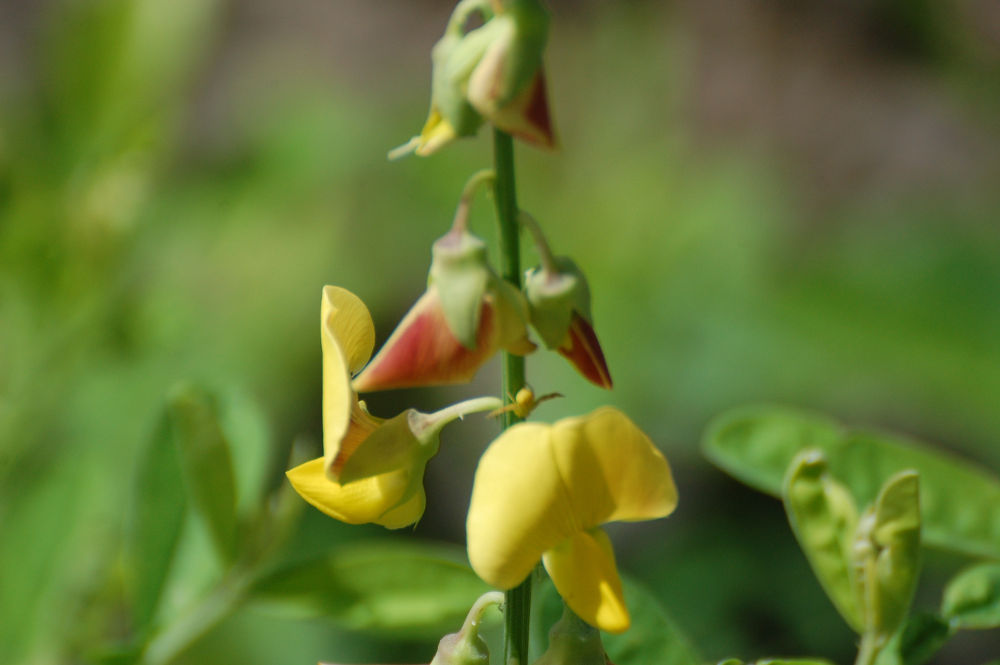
x=583 y=350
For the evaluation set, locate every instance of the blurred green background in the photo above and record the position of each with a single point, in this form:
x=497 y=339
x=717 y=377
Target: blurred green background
x=787 y=201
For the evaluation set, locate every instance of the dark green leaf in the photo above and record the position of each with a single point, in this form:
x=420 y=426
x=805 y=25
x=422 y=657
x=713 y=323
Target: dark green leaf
x=397 y=588
x=207 y=466
x=960 y=502
x=154 y=521
x=923 y=635
x=972 y=598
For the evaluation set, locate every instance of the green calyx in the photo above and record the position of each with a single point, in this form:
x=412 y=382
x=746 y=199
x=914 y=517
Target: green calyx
x=467 y=647
x=573 y=641
x=553 y=298
x=461 y=273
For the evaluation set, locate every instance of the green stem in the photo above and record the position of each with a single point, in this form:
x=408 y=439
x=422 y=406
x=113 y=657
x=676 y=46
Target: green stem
x=869 y=649
x=517 y=601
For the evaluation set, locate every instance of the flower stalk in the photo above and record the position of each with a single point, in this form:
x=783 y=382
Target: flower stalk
x=517 y=601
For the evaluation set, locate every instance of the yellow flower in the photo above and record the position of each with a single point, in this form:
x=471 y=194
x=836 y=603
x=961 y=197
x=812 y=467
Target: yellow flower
x=372 y=469
x=542 y=492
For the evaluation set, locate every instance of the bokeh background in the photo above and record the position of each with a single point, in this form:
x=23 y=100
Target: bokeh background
x=789 y=201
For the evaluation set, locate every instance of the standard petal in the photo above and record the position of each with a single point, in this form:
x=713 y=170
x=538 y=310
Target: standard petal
x=376 y=499
x=350 y=324
x=519 y=507
x=583 y=350
x=583 y=571
x=611 y=470
x=347 y=335
x=422 y=351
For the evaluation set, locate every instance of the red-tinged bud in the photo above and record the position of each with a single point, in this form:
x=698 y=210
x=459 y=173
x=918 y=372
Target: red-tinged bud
x=559 y=302
x=583 y=350
x=466 y=315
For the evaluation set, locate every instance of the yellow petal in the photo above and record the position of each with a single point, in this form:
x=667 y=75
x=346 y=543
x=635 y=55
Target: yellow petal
x=349 y=322
x=373 y=499
x=437 y=132
x=583 y=571
x=347 y=335
x=538 y=485
x=519 y=506
x=611 y=469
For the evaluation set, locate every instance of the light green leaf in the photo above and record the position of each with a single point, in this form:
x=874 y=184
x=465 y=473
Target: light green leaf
x=390 y=588
x=154 y=521
x=248 y=430
x=960 y=502
x=972 y=598
x=207 y=466
x=896 y=535
x=823 y=517
x=756 y=445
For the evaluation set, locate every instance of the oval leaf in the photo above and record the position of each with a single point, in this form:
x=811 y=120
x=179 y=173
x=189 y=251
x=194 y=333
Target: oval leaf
x=154 y=522
x=897 y=538
x=972 y=598
x=408 y=590
x=960 y=502
x=207 y=466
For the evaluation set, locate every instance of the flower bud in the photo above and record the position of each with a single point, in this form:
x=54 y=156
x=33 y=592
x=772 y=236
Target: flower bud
x=467 y=647
x=493 y=72
x=559 y=304
x=466 y=315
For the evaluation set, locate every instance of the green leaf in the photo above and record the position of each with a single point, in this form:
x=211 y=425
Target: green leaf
x=922 y=636
x=756 y=445
x=972 y=598
x=154 y=521
x=207 y=466
x=654 y=637
x=824 y=518
x=403 y=589
x=960 y=502
x=771 y=661
x=246 y=427
x=896 y=535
